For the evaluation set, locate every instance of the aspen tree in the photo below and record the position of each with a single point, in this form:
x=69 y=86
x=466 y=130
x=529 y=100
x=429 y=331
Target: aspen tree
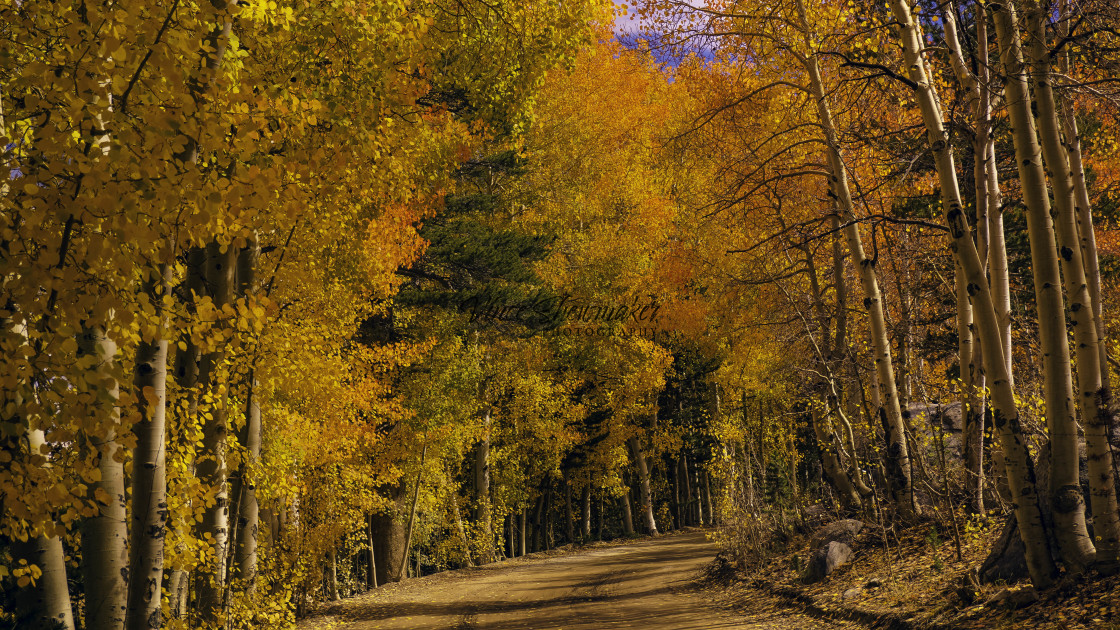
x=988 y=221
x=243 y=488
x=104 y=535
x=643 y=484
x=148 y=522
x=1095 y=397
x=897 y=455
x=1005 y=414
x=1068 y=506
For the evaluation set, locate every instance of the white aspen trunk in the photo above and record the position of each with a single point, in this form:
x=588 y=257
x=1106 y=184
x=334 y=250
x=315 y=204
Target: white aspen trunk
x=149 y=477
x=412 y=513
x=49 y=606
x=972 y=418
x=482 y=486
x=371 y=576
x=212 y=465
x=897 y=455
x=627 y=517
x=105 y=535
x=1005 y=414
x=243 y=488
x=50 y=600
x=585 y=514
x=1086 y=231
x=1067 y=504
x=1094 y=394
x=523 y=516
x=990 y=242
x=643 y=485
x=212 y=468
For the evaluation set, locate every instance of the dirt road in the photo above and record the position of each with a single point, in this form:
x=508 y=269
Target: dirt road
x=650 y=584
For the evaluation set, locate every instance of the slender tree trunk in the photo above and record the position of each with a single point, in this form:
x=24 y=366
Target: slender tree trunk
x=897 y=455
x=569 y=518
x=105 y=535
x=1020 y=467
x=482 y=486
x=973 y=422
x=585 y=513
x=707 y=492
x=643 y=484
x=1095 y=397
x=627 y=517
x=212 y=467
x=538 y=524
x=371 y=576
x=1086 y=231
x=1088 y=241
x=690 y=510
x=412 y=511
x=149 y=476
x=50 y=599
x=828 y=445
x=523 y=534
x=1065 y=493
x=243 y=488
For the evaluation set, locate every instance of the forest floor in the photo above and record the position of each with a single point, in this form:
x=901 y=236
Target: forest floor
x=912 y=582
x=654 y=584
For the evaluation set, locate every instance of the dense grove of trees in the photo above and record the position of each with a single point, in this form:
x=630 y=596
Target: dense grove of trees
x=297 y=299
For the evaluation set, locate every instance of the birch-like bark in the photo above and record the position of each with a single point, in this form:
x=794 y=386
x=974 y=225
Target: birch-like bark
x=50 y=608
x=212 y=465
x=585 y=514
x=482 y=484
x=1005 y=414
x=105 y=535
x=627 y=516
x=1094 y=394
x=243 y=488
x=644 y=491
x=971 y=366
x=371 y=568
x=412 y=514
x=50 y=600
x=149 y=475
x=1086 y=231
x=897 y=453
x=1065 y=492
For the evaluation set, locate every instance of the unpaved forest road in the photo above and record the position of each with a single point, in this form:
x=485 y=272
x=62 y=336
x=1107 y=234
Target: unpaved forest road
x=649 y=584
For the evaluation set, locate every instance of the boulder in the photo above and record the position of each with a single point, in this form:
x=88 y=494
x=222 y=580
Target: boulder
x=841 y=531
x=826 y=559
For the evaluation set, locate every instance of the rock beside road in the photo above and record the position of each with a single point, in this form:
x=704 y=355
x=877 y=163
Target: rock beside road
x=830 y=548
